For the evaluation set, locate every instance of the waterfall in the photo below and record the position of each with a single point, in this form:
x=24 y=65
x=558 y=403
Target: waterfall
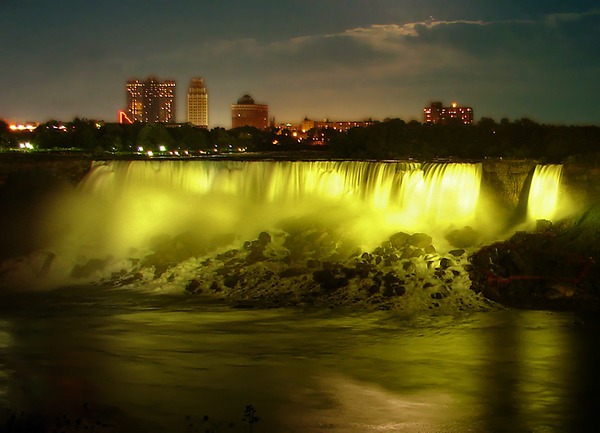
x=544 y=193
x=125 y=212
x=135 y=201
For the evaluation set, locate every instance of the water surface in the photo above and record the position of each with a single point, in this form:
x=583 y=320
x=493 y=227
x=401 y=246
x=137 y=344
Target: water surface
x=164 y=363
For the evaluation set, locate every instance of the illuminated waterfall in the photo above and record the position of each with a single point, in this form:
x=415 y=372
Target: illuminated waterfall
x=544 y=193
x=136 y=201
x=126 y=212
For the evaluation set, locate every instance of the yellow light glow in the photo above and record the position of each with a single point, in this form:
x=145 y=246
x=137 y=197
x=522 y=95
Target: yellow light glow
x=544 y=192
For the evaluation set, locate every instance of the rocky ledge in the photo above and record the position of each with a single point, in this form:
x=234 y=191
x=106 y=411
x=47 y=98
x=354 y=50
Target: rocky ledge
x=554 y=268
x=313 y=268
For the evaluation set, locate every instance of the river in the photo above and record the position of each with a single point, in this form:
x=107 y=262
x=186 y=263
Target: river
x=119 y=361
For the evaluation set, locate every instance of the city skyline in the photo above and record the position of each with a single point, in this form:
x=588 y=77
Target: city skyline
x=339 y=60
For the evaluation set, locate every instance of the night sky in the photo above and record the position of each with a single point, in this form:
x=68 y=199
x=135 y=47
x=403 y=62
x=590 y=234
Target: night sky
x=342 y=60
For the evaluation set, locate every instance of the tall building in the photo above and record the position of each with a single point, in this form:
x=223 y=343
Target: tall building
x=248 y=113
x=151 y=101
x=438 y=114
x=197 y=103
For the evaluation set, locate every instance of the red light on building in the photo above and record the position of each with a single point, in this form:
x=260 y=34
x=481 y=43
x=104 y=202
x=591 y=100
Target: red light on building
x=123 y=118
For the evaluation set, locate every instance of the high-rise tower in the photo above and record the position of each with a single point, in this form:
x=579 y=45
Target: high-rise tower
x=197 y=103
x=151 y=101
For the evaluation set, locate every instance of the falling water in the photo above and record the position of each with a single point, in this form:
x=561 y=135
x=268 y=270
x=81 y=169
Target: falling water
x=544 y=193
x=136 y=201
x=127 y=209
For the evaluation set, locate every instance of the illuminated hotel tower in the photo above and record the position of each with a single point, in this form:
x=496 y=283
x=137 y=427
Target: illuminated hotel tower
x=438 y=114
x=151 y=101
x=197 y=103
x=247 y=113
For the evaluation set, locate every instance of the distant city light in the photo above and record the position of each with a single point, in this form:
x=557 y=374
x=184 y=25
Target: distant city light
x=29 y=126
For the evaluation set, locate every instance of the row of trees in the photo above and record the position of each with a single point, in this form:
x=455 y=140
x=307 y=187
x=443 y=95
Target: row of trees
x=90 y=136
x=392 y=138
x=522 y=138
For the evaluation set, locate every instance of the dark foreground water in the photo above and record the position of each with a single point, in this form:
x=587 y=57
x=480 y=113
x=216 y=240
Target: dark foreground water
x=175 y=364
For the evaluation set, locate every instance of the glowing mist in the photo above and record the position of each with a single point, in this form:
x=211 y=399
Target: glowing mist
x=125 y=210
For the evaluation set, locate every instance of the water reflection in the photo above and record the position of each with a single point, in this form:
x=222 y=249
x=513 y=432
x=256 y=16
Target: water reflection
x=159 y=368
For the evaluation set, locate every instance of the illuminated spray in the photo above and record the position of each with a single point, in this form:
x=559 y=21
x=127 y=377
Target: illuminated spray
x=130 y=209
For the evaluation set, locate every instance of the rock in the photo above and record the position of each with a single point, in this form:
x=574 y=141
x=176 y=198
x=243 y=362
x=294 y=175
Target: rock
x=394 y=290
x=329 y=280
x=231 y=280
x=410 y=252
x=430 y=249
x=398 y=240
x=391 y=279
x=445 y=263
x=215 y=287
x=193 y=286
x=292 y=272
x=264 y=238
x=457 y=253
x=409 y=267
x=464 y=238
x=543 y=225
x=420 y=240
x=373 y=290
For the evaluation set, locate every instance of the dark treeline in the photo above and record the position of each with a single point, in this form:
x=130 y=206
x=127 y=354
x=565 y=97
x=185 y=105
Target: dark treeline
x=390 y=139
x=90 y=136
x=522 y=138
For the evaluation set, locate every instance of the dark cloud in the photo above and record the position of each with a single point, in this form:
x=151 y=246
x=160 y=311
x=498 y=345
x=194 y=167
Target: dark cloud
x=319 y=58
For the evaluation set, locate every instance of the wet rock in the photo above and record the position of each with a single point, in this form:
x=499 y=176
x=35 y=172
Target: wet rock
x=394 y=290
x=543 y=225
x=292 y=272
x=193 y=286
x=363 y=270
x=391 y=279
x=228 y=255
x=419 y=240
x=409 y=267
x=457 y=253
x=410 y=252
x=445 y=263
x=231 y=280
x=548 y=270
x=255 y=255
x=398 y=240
x=430 y=249
x=463 y=238
x=330 y=280
x=373 y=289
x=264 y=239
